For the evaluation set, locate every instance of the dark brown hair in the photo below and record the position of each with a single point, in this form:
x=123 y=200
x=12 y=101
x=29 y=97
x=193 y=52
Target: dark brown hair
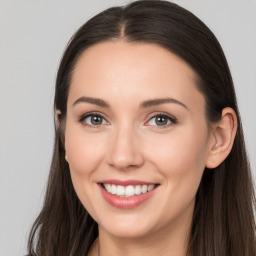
x=223 y=222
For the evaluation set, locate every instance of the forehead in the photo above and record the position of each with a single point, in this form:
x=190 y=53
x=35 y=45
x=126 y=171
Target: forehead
x=125 y=56
x=125 y=69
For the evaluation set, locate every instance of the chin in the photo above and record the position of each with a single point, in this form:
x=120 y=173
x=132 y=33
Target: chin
x=130 y=233
x=128 y=227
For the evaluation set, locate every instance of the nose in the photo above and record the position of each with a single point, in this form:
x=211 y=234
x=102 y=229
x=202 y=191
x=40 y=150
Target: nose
x=126 y=150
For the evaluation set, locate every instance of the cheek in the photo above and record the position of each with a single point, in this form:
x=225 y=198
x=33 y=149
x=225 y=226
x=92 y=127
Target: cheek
x=84 y=153
x=181 y=155
x=181 y=161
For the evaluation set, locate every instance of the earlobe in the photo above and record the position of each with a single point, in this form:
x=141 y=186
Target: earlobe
x=66 y=157
x=223 y=135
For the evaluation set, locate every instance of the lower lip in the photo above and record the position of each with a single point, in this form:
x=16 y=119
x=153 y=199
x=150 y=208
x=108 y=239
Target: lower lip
x=126 y=202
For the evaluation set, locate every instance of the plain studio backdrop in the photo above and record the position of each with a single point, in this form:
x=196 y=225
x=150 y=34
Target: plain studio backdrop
x=33 y=35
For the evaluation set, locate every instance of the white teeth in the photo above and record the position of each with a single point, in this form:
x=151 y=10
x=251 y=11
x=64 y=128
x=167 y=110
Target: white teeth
x=127 y=191
x=150 y=187
x=137 y=190
x=144 y=189
x=120 y=190
x=108 y=187
x=113 y=190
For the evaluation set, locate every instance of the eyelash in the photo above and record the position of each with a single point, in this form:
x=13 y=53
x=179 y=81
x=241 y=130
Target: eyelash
x=172 y=119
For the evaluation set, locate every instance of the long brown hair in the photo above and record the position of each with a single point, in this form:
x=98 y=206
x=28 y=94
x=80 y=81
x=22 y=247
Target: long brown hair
x=223 y=222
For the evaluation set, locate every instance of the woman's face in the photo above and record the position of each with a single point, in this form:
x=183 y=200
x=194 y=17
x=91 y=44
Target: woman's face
x=136 y=138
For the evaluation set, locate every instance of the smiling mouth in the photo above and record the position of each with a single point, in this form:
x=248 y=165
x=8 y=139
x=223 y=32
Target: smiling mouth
x=128 y=191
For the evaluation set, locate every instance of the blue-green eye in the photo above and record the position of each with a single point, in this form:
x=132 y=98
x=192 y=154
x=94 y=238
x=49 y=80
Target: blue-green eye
x=161 y=120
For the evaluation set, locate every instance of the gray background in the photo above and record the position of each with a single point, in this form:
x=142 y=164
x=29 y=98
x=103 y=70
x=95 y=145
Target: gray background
x=33 y=35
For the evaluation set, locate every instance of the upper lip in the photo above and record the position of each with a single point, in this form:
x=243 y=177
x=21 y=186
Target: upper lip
x=126 y=182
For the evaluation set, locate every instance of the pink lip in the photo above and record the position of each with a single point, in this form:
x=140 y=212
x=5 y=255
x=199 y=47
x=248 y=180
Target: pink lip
x=126 y=182
x=126 y=202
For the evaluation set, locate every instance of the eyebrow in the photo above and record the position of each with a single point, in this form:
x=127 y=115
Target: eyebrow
x=156 y=102
x=144 y=104
x=94 y=101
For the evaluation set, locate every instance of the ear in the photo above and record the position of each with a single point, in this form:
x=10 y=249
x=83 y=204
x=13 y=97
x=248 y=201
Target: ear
x=58 y=119
x=222 y=138
x=58 y=116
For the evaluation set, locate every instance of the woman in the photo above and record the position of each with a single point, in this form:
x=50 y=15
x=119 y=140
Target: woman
x=149 y=152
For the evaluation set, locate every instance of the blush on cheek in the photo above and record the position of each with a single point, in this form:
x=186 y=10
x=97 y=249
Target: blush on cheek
x=83 y=158
x=179 y=157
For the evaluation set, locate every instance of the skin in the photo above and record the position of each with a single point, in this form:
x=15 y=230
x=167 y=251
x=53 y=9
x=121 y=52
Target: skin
x=129 y=144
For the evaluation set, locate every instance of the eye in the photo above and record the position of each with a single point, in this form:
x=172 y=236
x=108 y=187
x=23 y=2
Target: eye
x=93 y=120
x=162 y=120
